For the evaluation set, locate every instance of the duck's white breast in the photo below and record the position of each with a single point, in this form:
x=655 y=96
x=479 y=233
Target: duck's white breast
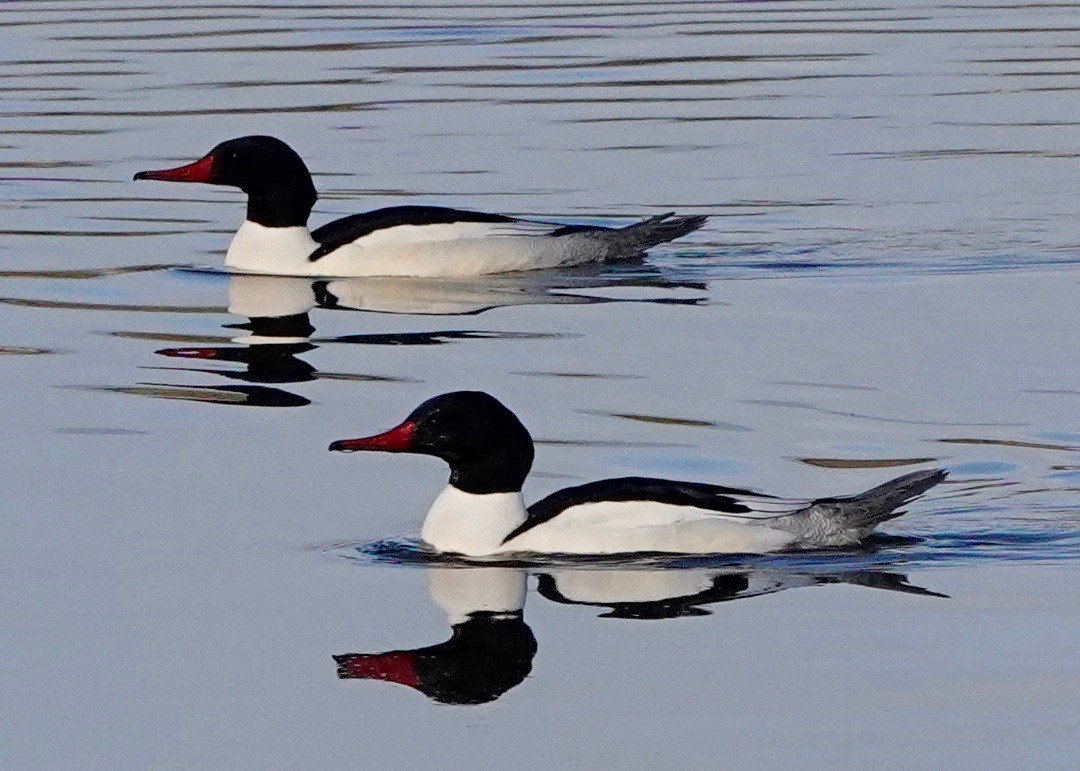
x=281 y=251
x=471 y=524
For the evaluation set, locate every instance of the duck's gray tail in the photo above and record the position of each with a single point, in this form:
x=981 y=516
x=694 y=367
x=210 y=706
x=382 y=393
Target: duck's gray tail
x=656 y=230
x=865 y=511
x=603 y=244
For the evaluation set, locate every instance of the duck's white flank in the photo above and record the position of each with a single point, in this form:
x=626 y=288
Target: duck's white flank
x=616 y=527
x=455 y=250
x=476 y=526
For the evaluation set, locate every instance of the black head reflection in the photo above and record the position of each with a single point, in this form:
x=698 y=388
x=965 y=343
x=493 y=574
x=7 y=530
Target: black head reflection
x=265 y=366
x=261 y=363
x=486 y=656
x=490 y=649
x=277 y=331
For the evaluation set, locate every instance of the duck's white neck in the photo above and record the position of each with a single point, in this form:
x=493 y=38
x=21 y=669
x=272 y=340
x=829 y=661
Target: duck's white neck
x=471 y=524
x=260 y=249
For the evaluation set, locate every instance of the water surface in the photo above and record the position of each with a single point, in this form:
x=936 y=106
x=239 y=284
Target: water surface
x=887 y=282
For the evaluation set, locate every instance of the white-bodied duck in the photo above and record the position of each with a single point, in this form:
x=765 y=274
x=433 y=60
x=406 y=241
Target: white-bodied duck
x=431 y=241
x=481 y=512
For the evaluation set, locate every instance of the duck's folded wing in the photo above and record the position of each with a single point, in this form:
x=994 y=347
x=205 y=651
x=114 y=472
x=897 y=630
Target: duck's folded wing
x=728 y=502
x=411 y=224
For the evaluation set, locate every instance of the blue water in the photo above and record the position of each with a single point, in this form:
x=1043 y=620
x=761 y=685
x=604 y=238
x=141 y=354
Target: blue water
x=887 y=282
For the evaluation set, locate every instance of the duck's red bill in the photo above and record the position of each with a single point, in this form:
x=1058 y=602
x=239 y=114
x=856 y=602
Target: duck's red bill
x=393 y=667
x=199 y=171
x=398 y=439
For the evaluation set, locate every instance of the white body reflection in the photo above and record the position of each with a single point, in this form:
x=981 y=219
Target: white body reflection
x=669 y=593
x=257 y=296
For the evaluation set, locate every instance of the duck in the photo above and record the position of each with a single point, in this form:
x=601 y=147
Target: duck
x=422 y=241
x=481 y=512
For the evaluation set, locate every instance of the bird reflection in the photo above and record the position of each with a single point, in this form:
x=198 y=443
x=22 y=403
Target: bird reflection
x=491 y=648
x=460 y=298
x=279 y=329
x=264 y=363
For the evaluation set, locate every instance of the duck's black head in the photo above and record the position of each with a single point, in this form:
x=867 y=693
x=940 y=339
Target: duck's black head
x=487 y=447
x=278 y=184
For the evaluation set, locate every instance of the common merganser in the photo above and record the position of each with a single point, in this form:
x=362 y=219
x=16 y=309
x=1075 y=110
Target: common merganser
x=481 y=512
x=431 y=241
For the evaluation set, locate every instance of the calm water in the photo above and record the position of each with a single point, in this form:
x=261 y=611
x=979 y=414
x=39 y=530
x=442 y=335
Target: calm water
x=888 y=281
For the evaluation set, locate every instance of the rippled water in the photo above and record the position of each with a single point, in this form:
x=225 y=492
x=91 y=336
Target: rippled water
x=887 y=281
